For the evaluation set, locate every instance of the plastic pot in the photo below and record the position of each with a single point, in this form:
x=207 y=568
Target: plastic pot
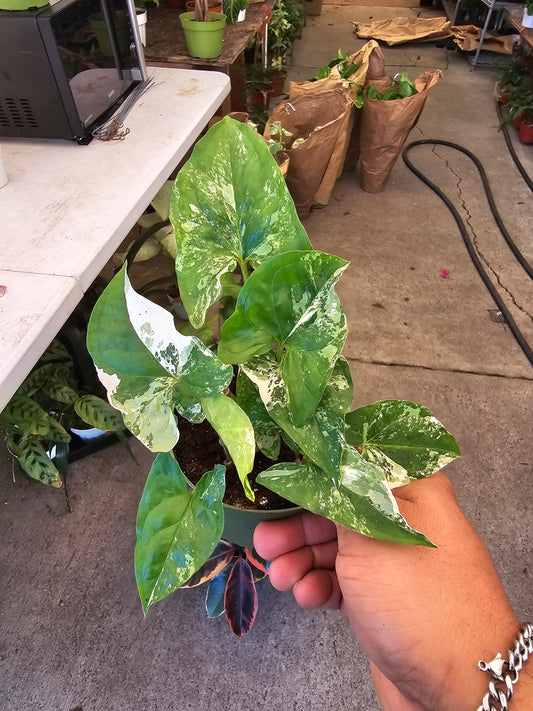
x=21 y=4
x=204 y=39
x=239 y=524
x=527 y=20
x=525 y=133
x=142 y=19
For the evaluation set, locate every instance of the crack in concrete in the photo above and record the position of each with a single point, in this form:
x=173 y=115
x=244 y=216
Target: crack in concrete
x=474 y=235
x=458 y=371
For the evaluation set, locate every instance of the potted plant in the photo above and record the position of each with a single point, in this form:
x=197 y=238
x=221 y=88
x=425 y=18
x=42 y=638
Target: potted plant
x=50 y=411
x=510 y=75
x=204 y=30
x=519 y=105
x=527 y=18
x=275 y=383
x=284 y=27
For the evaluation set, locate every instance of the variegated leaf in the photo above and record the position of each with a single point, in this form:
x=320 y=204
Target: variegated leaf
x=267 y=432
x=230 y=206
x=362 y=501
x=147 y=366
x=289 y=300
x=216 y=562
x=214 y=599
x=236 y=432
x=401 y=438
x=177 y=530
x=36 y=463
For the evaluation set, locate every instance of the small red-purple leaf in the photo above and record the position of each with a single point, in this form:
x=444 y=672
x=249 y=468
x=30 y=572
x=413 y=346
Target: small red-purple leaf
x=216 y=562
x=240 y=600
x=256 y=560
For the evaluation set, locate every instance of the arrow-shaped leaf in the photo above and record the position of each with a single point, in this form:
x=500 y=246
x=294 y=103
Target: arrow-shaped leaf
x=401 y=438
x=177 y=530
x=147 y=366
x=229 y=206
x=289 y=300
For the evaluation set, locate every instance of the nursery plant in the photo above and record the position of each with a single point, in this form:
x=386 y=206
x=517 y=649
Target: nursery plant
x=274 y=387
x=400 y=90
x=49 y=406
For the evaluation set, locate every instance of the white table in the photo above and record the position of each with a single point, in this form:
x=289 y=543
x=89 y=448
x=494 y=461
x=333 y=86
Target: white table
x=66 y=208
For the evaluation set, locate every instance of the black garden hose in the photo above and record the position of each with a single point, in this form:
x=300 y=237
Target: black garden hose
x=522 y=342
x=512 y=151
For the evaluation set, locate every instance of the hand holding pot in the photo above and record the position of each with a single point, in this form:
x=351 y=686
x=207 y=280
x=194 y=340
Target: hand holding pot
x=425 y=616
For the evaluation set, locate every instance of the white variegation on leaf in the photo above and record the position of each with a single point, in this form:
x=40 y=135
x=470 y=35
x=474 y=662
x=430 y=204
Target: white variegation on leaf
x=401 y=438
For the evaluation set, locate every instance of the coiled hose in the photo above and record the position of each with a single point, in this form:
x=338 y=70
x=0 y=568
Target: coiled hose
x=522 y=342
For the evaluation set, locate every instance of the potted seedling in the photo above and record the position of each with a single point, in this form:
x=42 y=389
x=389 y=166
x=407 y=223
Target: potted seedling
x=204 y=30
x=271 y=400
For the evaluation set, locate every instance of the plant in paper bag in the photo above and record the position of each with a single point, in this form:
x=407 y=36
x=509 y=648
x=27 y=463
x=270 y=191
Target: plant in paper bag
x=275 y=387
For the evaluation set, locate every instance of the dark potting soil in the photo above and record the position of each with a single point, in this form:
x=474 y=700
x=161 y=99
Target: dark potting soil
x=198 y=450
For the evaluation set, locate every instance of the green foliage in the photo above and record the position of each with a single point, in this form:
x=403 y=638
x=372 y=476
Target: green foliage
x=344 y=67
x=47 y=404
x=244 y=256
x=402 y=90
x=231 y=9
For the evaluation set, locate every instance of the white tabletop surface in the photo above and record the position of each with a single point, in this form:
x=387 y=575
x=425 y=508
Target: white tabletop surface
x=66 y=208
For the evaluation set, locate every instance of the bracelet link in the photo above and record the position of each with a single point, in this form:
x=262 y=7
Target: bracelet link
x=503 y=671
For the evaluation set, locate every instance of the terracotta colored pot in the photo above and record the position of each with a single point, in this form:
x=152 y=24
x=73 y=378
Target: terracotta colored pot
x=518 y=121
x=525 y=133
x=277 y=85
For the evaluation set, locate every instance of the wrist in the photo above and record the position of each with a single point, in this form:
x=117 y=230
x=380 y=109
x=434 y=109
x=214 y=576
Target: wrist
x=523 y=691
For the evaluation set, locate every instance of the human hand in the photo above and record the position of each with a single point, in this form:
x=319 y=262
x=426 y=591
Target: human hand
x=424 y=616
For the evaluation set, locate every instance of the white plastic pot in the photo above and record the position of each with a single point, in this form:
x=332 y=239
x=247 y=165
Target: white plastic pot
x=242 y=15
x=142 y=19
x=527 y=20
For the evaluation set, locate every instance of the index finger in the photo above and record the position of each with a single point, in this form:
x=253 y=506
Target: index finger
x=275 y=538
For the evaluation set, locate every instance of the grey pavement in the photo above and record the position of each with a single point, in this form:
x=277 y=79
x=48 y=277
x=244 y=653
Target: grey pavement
x=72 y=633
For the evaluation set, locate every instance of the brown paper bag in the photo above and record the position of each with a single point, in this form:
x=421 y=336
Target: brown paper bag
x=467 y=37
x=314 y=120
x=370 y=61
x=398 y=30
x=385 y=126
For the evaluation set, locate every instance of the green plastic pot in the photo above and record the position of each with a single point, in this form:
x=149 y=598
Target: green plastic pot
x=204 y=39
x=21 y=4
x=239 y=524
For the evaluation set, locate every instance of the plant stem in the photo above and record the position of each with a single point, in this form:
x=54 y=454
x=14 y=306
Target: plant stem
x=244 y=269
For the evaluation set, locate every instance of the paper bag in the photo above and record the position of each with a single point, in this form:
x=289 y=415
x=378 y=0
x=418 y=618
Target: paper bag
x=385 y=126
x=398 y=30
x=314 y=120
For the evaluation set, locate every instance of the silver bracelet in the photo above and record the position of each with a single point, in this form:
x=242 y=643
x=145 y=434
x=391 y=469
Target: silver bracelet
x=505 y=671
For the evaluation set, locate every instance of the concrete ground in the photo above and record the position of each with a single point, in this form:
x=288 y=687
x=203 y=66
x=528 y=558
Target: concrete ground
x=72 y=634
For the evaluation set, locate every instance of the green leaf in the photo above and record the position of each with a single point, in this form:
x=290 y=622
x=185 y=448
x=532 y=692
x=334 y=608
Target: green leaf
x=177 y=530
x=31 y=419
x=214 y=599
x=321 y=438
x=59 y=385
x=267 y=436
x=147 y=366
x=36 y=379
x=229 y=206
x=161 y=202
x=290 y=300
x=236 y=432
x=401 y=438
x=55 y=351
x=361 y=501
x=98 y=413
x=36 y=463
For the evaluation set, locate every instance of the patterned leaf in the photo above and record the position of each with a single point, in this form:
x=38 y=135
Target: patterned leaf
x=214 y=599
x=255 y=559
x=267 y=435
x=36 y=463
x=30 y=418
x=98 y=413
x=321 y=438
x=36 y=379
x=147 y=366
x=177 y=530
x=229 y=205
x=290 y=300
x=216 y=562
x=403 y=439
x=362 y=501
x=240 y=600
x=236 y=432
